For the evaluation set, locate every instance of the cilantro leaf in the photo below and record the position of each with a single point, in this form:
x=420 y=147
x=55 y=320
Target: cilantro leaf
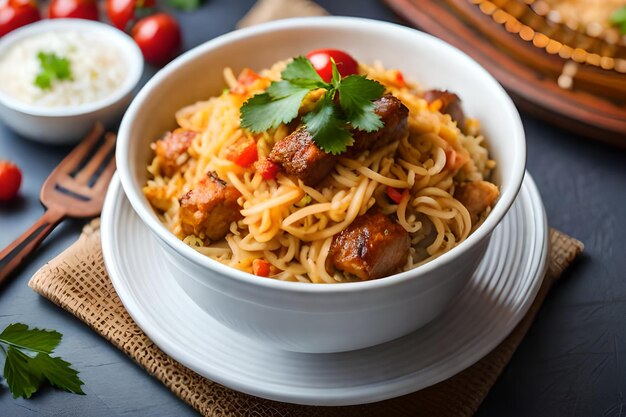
x=36 y=340
x=301 y=68
x=17 y=371
x=355 y=98
x=185 y=5
x=336 y=77
x=618 y=18
x=327 y=127
x=53 y=67
x=261 y=112
x=28 y=363
x=330 y=121
x=58 y=373
x=283 y=89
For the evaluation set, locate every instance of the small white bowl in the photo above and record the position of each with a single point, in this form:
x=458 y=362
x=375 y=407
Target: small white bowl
x=67 y=124
x=322 y=317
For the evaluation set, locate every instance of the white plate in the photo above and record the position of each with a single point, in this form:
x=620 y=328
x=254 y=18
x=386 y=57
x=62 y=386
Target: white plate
x=489 y=307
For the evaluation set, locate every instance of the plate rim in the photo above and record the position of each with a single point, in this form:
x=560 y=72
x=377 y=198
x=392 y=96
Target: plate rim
x=307 y=395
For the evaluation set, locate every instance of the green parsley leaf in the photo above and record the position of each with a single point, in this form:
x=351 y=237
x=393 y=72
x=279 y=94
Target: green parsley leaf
x=336 y=77
x=58 y=373
x=618 y=18
x=284 y=89
x=355 y=98
x=330 y=121
x=261 y=112
x=36 y=340
x=327 y=127
x=53 y=68
x=17 y=371
x=28 y=362
x=185 y=5
x=301 y=68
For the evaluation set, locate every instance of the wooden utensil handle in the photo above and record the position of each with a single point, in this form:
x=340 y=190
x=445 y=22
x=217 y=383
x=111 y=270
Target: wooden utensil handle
x=12 y=256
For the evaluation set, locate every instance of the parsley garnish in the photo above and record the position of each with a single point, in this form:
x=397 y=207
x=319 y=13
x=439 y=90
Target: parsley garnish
x=53 y=67
x=28 y=362
x=330 y=121
x=185 y=5
x=618 y=18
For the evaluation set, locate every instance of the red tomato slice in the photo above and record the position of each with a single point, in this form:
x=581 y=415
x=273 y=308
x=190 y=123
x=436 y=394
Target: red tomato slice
x=267 y=168
x=81 y=9
x=261 y=267
x=10 y=180
x=15 y=14
x=243 y=153
x=158 y=37
x=320 y=58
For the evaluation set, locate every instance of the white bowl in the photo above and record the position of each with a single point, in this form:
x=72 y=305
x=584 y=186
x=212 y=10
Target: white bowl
x=321 y=317
x=67 y=124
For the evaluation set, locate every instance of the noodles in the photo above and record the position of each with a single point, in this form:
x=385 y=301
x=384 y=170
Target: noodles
x=291 y=225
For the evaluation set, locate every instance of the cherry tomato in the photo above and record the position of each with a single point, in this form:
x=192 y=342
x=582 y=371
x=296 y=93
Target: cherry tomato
x=10 y=180
x=80 y=9
x=17 y=13
x=394 y=194
x=158 y=37
x=122 y=12
x=243 y=153
x=320 y=58
x=267 y=168
x=261 y=267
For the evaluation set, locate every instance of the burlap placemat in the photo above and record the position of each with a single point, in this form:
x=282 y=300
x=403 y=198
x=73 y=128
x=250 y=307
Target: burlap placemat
x=77 y=281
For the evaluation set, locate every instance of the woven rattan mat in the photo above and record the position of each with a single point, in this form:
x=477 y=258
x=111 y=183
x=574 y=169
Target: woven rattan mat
x=77 y=281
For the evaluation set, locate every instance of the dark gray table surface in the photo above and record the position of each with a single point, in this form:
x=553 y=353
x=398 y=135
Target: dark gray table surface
x=571 y=363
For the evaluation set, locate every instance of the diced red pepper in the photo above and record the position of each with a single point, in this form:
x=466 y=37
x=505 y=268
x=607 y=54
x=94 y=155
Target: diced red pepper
x=454 y=160
x=267 y=168
x=245 y=79
x=400 y=82
x=261 y=268
x=243 y=153
x=394 y=194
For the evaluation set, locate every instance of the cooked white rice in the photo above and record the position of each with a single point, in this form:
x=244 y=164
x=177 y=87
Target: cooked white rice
x=97 y=68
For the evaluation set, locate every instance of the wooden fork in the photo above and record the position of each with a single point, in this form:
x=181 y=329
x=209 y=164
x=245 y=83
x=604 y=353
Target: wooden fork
x=75 y=188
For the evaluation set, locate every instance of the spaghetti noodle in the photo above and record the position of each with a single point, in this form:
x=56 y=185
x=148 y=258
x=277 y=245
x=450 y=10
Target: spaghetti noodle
x=291 y=225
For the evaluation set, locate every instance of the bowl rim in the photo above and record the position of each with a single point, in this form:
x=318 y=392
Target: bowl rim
x=147 y=215
x=116 y=36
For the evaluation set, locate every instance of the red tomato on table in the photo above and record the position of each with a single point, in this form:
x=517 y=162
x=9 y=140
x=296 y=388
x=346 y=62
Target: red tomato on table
x=122 y=12
x=17 y=13
x=10 y=180
x=158 y=37
x=320 y=58
x=80 y=9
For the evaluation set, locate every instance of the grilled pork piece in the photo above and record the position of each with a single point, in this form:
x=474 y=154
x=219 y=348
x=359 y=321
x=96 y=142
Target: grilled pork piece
x=300 y=156
x=373 y=246
x=476 y=197
x=172 y=148
x=450 y=104
x=208 y=210
x=394 y=115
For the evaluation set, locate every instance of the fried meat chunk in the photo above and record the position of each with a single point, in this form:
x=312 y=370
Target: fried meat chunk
x=208 y=210
x=477 y=196
x=373 y=246
x=172 y=150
